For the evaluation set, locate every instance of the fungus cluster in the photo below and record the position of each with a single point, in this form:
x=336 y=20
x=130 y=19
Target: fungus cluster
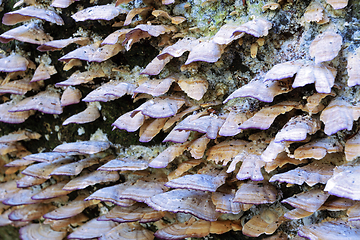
x=245 y=117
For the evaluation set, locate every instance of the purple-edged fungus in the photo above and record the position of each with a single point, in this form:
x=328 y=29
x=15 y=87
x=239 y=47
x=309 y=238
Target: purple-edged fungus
x=51 y=191
x=91 y=179
x=38 y=231
x=306 y=73
x=155 y=87
x=263 y=91
x=298 y=128
x=266 y=116
x=338 y=115
x=43 y=72
x=256 y=193
x=70 y=209
x=197 y=203
x=315 y=12
x=125 y=164
x=45 y=156
x=57 y=45
x=167 y=156
x=198 y=147
x=19 y=136
x=103 y=12
x=30 y=212
x=92 y=229
x=224 y=203
x=112 y=194
x=43 y=170
x=151 y=128
x=344 y=182
x=90 y=114
x=145 y=31
x=353 y=71
x=75 y=168
x=196 y=229
x=225 y=151
x=137 y=212
x=129 y=121
x=352 y=150
x=330 y=230
x=136 y=11
x=13 y=63
x=232 y=123
x=27 y=13
x=202 y=182
x=128 y=231
x=93 y=52
x=309 y=201
x=47 y=102
x=30 y=33
x=318 y=148
x=266 y=222
x=84 y=147
x=28 y=181
x=337 y=4
x=70 y=96
x=313 y=173
x=174 y=20
x=325 y=47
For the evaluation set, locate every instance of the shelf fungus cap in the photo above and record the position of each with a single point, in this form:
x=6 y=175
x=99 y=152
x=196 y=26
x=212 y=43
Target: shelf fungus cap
x=27 y=13
x=318 y=148
x=266 y=116
x=84 y=147
x=330 y=230
x=224 y=203
x=352 y=149
x=46 y=102
x=298 y=128
x=256 y=193
x=338 y=115
x=70 y=209
x=44 y=169
x=309 y=201
x=125 y=164
x=92 y=229
x=93 y=52
x=207 y=51
x=13 y=63
x=266 y=222
x=45 y=156
x=257 y=27
x=104 y=12
x=90 y=114
x=112 y=194
x=313 y=173
x=128 y=231
x=57 y=45
x=155 y=87
x=91 y=179
x=194 y=202
x=165 y=157
x=345 y=182
x=325 y=47
x=19 y=136
x=75 y=168
x=43 y=72
x=105 y=92
x=129 y=121
x=337 y=4
x=195 y=88
x=225 y=151
x=178 y=48
x=37 y=231
x=202 y=182
x=70 y=96
x=352 y=68
x=51 y=191
x=161 y=107
x=30 y=33
x=137 y=212
x=263 y=91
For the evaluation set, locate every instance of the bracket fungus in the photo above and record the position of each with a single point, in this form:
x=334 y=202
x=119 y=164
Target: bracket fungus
x=239 y=113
